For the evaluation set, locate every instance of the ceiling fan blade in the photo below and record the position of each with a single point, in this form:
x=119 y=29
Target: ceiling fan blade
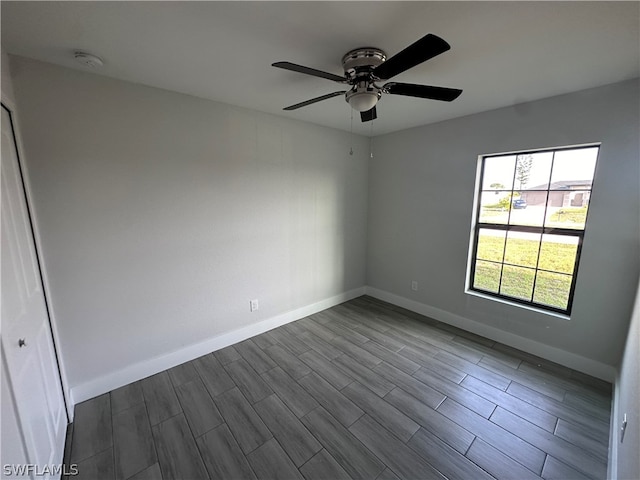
x=314 y=100
x=369 y=115
x=427 y=47
x=308 y=71
x=422 y=91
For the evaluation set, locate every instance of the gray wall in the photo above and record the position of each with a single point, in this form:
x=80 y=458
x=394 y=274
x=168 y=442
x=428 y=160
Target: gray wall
x=161 y=215
x=6 y=84
x=626 y=462
x=421 y=191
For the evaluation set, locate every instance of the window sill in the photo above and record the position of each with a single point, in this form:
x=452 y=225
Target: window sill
x=559 y=316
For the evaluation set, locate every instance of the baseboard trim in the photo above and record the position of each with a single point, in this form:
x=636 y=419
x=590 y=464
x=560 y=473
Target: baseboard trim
x=568 y=359
x=160 y=363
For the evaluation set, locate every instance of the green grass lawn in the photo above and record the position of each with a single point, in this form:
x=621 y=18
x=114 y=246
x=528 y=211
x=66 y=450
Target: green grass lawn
x=518 y=278
x=574 y=216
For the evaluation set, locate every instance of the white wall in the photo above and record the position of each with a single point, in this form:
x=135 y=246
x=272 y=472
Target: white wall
x=421 y=189
x=625 y=463
x=161 y=215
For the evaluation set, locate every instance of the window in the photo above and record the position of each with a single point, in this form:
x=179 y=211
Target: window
x=529 y=225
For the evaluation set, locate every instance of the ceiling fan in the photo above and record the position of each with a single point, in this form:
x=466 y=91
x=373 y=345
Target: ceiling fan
x=364 y=67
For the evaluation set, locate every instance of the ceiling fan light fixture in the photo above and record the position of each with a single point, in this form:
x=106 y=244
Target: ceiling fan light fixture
x=362 y=99
x=361 y=102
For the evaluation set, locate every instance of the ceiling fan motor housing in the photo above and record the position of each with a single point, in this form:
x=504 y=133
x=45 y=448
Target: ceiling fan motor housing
x=362 y=60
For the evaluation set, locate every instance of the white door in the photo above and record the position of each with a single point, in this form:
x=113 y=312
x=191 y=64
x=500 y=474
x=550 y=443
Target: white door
x=32 y=388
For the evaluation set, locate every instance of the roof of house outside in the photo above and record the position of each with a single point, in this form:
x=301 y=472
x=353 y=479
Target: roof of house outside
x=564 y=185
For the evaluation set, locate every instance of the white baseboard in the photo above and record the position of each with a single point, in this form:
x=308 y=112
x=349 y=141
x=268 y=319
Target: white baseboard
x=158 y=364
x=568 y=359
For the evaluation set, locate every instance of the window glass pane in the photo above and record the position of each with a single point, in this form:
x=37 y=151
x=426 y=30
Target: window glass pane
x=528 y=208
x=487 y=276
x=498 y=172
x=517 y=282
x=533 y=171
x=494 y=207
x=534 y=198
x=574 y=167
x=552 y=289
x=568 y=209
x=522 y=249
x=490 y=244
x=558 y=253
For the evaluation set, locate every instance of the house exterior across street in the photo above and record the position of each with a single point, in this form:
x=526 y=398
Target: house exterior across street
x=567 y=193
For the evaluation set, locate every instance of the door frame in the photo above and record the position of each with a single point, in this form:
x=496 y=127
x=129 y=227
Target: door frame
x=23 y=172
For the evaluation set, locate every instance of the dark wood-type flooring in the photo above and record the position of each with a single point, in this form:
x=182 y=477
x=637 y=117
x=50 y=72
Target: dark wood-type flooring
x=363 y=390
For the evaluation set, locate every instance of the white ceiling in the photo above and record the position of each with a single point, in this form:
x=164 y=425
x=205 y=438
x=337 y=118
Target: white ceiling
x=503 y=53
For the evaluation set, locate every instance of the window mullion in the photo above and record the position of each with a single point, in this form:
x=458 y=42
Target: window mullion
x=544 y=222
x=504 y=253
x=546 y=205
x=535 y=277
x=574 y=275
x=513 y=185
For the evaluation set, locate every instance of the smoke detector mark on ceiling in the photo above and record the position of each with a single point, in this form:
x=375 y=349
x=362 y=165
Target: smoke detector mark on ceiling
x=88 y=59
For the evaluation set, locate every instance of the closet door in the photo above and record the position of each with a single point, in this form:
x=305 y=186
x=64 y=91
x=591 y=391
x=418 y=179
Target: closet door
x=28 y=356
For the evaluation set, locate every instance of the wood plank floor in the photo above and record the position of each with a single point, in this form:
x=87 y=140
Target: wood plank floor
x=364 y=390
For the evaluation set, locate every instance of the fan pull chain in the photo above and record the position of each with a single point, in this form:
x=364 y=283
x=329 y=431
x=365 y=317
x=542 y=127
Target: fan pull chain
x=351 y=150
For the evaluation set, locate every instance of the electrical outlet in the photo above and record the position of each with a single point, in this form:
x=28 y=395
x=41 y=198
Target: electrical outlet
x=414 y=286
x=254 y=305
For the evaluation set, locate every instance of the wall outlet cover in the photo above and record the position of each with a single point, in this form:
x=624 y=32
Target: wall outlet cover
x=254 y=305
